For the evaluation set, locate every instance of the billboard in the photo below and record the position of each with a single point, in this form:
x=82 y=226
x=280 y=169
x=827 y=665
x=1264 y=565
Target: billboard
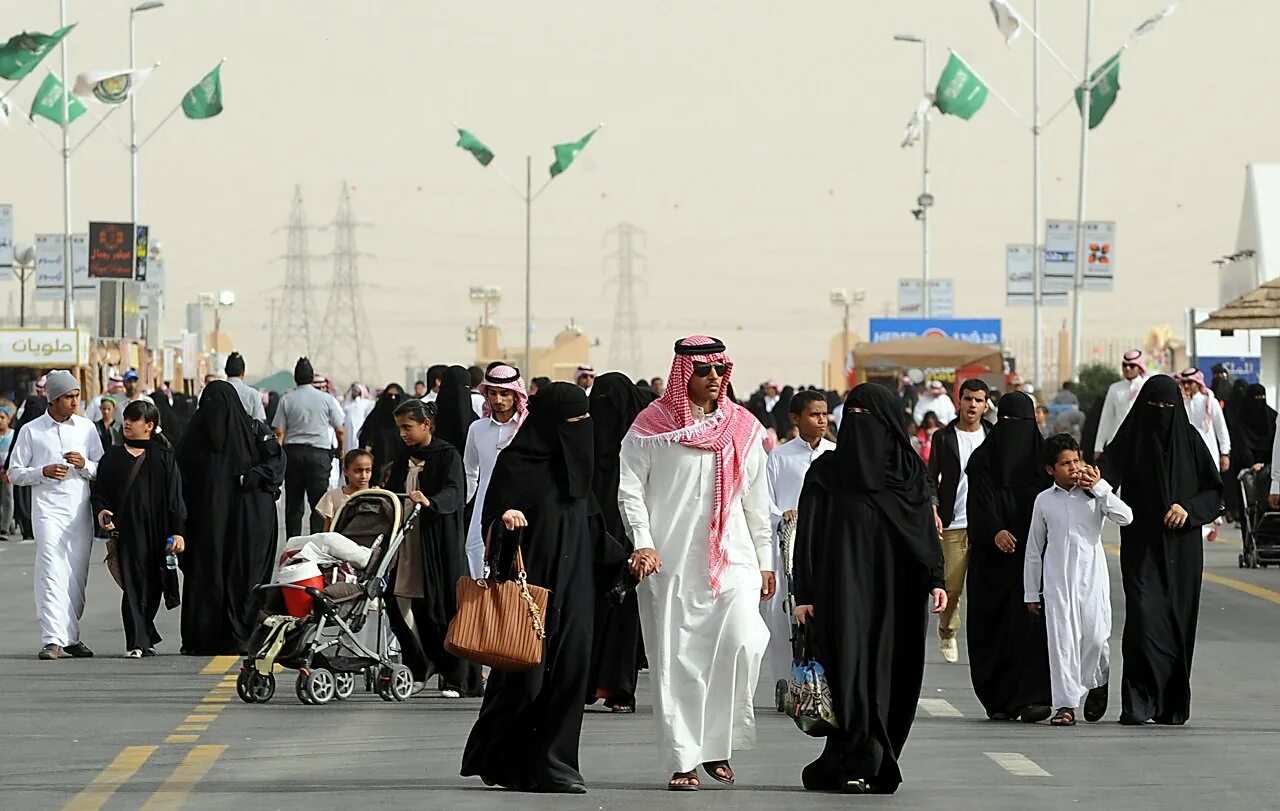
x=942 y=298
x=111 y=250
x=974 y=330
x=1060 y=255
x=1241 y=368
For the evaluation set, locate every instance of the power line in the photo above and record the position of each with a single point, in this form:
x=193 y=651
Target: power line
x=348 y=351
x=291 y=328
x=625 y=349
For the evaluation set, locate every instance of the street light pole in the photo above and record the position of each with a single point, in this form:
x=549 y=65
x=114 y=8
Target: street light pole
x=1077 y=319
x=1037 y=291
x=68 y=302
x=925 y=201
x=528 y=267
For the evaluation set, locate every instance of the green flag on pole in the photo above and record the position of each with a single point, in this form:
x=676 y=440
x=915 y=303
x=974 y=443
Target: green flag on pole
x=20 y=55
x=566 y=153
x=473 y=145
x=48 y=101
x=205 y=99
x=961 y=92
x=1106 y=86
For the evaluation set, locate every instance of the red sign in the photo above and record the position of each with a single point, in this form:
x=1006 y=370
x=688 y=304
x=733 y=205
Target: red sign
x=111 y=250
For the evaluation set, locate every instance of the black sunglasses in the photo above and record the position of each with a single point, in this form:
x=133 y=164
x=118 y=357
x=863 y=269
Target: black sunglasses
x=1129 y=366
x=704 y=369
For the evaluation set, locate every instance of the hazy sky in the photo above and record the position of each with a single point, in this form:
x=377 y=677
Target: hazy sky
x=757 y=144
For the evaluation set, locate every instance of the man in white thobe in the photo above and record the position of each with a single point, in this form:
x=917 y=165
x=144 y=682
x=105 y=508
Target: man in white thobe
x=355 y=412
x=694 y=497
x=56 y=455
x=505 y=408
x=935 y=399
x=788 y=464
x=1205 y=415
x=1120 y=398
x=1066 y=570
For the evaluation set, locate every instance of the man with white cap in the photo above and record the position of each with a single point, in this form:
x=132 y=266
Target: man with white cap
x=1120 y=398
x=56 y=455
x=935 y=399
x=505 y=406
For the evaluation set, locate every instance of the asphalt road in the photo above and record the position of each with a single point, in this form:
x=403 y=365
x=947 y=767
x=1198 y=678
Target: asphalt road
x=169 y=732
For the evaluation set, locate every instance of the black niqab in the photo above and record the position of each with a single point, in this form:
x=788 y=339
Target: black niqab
x=379 y=433
x=1015 y=445
x=454 y=413
x=1256 y=423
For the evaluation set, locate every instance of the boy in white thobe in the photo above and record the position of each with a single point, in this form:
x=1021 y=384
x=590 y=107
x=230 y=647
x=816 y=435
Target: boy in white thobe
x=56 y=455
x=506 y=404
x=1066 y=562
x=788 y=464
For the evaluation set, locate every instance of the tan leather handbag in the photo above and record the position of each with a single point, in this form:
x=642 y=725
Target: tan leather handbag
x=499 y=624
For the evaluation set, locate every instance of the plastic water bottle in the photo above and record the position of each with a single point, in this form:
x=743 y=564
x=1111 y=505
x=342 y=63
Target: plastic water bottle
x=170 y=557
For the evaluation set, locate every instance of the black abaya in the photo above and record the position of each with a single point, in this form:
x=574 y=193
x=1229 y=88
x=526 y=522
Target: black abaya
x=1157 y=460
x=146 y=513
x=615 y=402
x=440 y=536
x=454 y=413
x=866 y=554
x=33 y=408
x=232 y=468
x=527 y=735
x=379 y=434
x=1008 y=647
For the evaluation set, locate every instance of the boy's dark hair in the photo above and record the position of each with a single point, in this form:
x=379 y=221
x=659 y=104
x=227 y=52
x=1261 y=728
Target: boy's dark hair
x=477 y=375
x=1056 y=444
x=974 y=384
x=417 y=411
x=351 y=456
x=802 y=399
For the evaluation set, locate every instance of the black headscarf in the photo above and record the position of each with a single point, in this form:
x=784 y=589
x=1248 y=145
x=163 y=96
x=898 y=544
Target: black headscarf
x=34 y=407
x=1256 y=421
x=379 y=432
x=454 y=414
x=1013 y=451
x=615 y=403
x=1157 y=451
x=221 y=429
x=549 y=450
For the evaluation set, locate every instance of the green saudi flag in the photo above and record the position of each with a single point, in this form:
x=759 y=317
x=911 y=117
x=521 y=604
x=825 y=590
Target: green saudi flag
x=473 y=145
x=1106 y=86
x=566 y=153
x=961 y=92
x=205 y=99
x=48 y=101
x=20 y=55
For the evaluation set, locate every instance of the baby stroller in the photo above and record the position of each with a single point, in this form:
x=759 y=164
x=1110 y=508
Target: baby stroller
x=787 y=539
x=1260 y=525
x=324 y=646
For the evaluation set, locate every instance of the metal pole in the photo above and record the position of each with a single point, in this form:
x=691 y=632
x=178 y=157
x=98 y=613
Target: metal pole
x=68 y=302
x=22 y=302
x=1077 y=342
x=925 y=203
x=844 y=344
x=528 y=266
x=1037 y=341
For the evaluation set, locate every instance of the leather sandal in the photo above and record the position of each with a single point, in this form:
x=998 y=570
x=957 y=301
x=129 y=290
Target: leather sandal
x=719 y=771
x=683 y=781
x=1065 y=717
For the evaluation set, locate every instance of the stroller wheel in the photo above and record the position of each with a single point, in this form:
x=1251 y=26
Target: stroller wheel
x=243 y=685
x=261 y=687
x=780 y=695
x=320 y=686
x=401 y=683
x=344 y=685
x=300 y=688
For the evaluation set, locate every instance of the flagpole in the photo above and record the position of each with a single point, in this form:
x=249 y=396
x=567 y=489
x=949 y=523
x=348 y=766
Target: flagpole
x=528 y=267
x=1037 y=295
x=1077 y=317
x=68 y=303
x=926 y=200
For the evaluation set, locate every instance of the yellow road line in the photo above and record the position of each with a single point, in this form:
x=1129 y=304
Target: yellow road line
x=173 y=792
x=118 y=772
x=1261 y=592
x=182 y=739
x=219 y=665
x=191 y=728
x=196 y=718
x=215 y=700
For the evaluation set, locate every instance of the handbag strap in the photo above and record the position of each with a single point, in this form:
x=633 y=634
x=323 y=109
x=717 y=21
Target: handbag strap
x=522 y=579
x=133 y=475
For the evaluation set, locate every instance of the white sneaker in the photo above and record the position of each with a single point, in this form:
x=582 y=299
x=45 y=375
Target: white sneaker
x=950 y=651
x=450 y=694
x=136 y=653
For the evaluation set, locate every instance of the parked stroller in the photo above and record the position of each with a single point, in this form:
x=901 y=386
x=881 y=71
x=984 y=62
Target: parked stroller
x=1260 y=525
x=787 y=541
x=324 y=646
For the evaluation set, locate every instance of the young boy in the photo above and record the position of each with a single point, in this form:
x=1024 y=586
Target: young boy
x=357 y=469
x=1065 y=551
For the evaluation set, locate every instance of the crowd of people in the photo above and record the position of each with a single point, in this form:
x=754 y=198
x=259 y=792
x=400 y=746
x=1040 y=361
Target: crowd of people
x=654 y=512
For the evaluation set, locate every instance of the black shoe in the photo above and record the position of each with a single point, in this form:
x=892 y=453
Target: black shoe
x=1095 y=704
x=148 y=652
x=1000 y=716
x=1035 y=713
x=858 y=786
x=1130 y=721
x=78 y=651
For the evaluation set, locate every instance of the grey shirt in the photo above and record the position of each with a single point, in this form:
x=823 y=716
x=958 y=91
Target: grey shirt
x=250 y=398
x=308 y=416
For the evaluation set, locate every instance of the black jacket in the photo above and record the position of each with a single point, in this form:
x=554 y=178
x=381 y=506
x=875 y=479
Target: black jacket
x=944 y=469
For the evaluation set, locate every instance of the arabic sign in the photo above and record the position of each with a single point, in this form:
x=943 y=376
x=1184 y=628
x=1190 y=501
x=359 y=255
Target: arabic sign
x=48 y=276
x=942 y=298
x=974 y=330
x=1060 y=255
x=1019 y=265
x=111 y=250
x=44 y=348
x=6 y=238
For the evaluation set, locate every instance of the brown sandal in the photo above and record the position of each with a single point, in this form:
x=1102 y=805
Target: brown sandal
x=720 y=771
x=683 y=781
x=1065 y=717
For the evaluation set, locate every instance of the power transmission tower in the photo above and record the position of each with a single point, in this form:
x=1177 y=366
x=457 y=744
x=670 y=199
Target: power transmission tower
x=291 y=316
x=347 y=353
x=625 y=352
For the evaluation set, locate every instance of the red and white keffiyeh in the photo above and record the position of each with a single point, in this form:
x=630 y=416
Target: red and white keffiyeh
x=1194 y=375
x=729 y=431
x=506 y=378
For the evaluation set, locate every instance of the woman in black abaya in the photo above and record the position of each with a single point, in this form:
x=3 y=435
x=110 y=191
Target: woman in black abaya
x=232 y=468
x=379 y=434
x=526 y=737
x=138 y=495
x=33 y=408
x=867 y=553
x=615 y=402
x=454 y=413
x=1162 y=470
x=1008 y=648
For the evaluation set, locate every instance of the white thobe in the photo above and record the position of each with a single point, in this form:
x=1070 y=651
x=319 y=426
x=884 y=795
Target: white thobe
x=704 y=649
x=787 y=466
x=1064 y=552
x=485 y=438
x=941 y=406
x=354 y=415
x=1120 y=397
x=60 y=515
x=477 y=404
x=1213 y=427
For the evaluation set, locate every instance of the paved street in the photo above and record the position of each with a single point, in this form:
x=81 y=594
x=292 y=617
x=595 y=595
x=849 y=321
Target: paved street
x=168 y=732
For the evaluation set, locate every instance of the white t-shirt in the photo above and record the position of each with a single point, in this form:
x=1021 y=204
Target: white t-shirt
x=968 y=442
